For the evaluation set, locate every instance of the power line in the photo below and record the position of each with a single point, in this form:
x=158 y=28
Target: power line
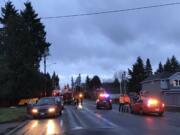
x=111 y=11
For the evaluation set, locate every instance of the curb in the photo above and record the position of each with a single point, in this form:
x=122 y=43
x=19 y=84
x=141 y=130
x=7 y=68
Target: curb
x=172 y=109
x=11 y=132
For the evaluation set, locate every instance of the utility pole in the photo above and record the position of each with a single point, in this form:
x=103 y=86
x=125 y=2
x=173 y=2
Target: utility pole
x=124 y=82
x=120 y=86
x=44 y=64
x=45 y=55
x=122 y=78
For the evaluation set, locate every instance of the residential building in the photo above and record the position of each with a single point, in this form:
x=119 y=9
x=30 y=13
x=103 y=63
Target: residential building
x=164 y=85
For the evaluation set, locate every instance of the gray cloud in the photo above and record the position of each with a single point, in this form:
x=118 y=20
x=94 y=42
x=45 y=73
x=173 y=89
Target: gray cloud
x=104 y=44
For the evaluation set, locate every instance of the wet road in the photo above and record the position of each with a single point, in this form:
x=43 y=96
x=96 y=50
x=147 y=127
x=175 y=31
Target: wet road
x=89 y=121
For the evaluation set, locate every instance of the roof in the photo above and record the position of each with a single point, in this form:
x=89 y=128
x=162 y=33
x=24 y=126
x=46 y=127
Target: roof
x=158 y=76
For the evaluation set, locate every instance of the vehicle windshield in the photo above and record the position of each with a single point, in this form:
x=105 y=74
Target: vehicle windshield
x=46 y=101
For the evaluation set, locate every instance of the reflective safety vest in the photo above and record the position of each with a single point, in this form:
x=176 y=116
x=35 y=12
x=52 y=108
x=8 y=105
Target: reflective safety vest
x=121 y=99
x=126 y=99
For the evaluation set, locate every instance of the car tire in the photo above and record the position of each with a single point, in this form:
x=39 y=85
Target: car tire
x=160 y=114
x=35 y=117
x=110 y=107
x=141 y=112
x=132 y=111
x=60 y=112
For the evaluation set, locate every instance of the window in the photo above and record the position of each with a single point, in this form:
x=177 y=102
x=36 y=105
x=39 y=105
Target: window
x=176 y=83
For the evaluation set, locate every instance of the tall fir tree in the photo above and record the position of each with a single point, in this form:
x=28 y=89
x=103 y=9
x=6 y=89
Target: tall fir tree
x=34 y=36
x=167 y=66
x=55 y=81
x=72 y=82
x=95 y=82
x=24 y=43
x=116 y=83
x=160 y=68
x=87 y=83
x=10 y=60
x=78 y=80
x=174 y=64
x=148 y=68
x=137 y=75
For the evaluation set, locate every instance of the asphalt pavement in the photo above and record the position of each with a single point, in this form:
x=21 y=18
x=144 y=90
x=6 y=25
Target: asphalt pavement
x=89 y=121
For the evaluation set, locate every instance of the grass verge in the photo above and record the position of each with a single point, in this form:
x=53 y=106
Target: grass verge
x=12 y=114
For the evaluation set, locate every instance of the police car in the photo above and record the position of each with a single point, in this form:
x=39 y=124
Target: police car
x=104 y=101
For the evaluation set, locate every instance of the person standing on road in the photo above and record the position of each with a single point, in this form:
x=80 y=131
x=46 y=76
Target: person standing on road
x=121 y=103
x=126 y=103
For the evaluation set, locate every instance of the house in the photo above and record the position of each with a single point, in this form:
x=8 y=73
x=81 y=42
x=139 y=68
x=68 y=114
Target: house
x=164 y=85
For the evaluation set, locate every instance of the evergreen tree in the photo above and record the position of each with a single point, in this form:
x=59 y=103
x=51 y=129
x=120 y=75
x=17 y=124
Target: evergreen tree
x=148 y=68
x=160 y=68
x=72 y=82
x=55 y=81
x=34 y=36
x=78 y=80
x=95 y=82
x=10 y=61
x=174 y=64
x=116 y=83
x=137 y=75
x=167 y=66
x=21 y=49
x=87 y=83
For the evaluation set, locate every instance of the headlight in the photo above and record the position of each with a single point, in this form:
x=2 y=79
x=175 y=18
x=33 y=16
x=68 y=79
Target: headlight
x=51 y=110
x=34 y=110
x=80 y=95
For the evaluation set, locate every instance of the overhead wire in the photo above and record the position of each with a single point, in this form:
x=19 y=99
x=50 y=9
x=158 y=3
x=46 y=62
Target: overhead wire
x=111 y=11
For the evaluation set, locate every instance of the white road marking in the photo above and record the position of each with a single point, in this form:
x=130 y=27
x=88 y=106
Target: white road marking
x=73 y=124
x=79 y=119
x=100 y=117
x=77 y=128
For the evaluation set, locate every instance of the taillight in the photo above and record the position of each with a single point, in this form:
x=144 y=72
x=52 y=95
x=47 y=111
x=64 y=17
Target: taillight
x=163 y=105
x=110 y=100
x=152 y=102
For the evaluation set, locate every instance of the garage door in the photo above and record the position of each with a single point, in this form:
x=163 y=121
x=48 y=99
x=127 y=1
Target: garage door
x=172 y=99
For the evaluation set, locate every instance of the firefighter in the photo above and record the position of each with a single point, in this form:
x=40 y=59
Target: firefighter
x=121 y=103
x=126 y=103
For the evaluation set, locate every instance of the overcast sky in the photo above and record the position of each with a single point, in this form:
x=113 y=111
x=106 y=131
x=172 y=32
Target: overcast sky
x=103 y=44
